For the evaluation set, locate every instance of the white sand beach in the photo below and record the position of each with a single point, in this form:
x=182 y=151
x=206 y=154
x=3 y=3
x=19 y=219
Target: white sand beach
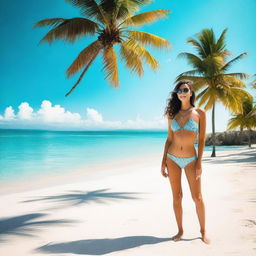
x=126 y=209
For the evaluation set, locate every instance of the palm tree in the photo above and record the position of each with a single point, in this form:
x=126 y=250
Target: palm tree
x=253 y=112
x=254 y=82
x=109 y=20
x=209 y=74
x=245 y=119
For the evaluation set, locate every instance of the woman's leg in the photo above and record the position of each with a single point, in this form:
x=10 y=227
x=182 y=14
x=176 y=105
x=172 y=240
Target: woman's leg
x=174 y=173
x=195 y=188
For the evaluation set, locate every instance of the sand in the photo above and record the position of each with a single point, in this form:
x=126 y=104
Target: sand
x=126 y=209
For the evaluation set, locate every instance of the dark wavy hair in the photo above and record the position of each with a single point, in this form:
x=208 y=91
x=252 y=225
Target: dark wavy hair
x=173 y=103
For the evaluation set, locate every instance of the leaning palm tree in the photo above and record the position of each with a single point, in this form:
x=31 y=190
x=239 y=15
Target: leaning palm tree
x=245 y=119
x=110 y=21
x=210 y=75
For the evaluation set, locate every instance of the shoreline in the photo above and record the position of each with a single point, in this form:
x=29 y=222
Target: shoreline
x=88 y=172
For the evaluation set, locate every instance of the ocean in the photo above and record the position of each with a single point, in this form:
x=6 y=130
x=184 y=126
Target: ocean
x=29 y=153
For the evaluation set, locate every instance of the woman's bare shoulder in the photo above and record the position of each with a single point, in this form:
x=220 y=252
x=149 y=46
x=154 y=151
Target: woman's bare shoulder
x=200 y=111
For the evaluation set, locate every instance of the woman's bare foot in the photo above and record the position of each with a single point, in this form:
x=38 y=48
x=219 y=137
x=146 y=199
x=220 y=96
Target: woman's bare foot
x=178 y=236
x=205 y=239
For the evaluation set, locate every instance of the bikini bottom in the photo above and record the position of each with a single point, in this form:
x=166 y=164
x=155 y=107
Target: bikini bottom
x=182 y=162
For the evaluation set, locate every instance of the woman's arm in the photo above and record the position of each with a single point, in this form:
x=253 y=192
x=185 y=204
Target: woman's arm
x=202 y=132
x=168 y=141
x=167 y=144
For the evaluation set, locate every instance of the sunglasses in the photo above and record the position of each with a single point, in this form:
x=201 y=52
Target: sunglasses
x=186 y=90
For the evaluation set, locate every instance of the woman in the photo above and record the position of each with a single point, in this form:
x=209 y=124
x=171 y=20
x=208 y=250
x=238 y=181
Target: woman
x=184 y=123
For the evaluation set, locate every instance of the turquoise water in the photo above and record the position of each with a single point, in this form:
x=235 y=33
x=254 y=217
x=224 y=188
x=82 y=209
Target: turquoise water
x=26 y=153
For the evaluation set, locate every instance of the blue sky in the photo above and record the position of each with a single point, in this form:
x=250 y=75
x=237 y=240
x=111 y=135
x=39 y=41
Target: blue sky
x=33 y=79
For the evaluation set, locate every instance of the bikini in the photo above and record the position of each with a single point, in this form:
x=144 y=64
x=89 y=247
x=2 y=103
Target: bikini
x=191 y=125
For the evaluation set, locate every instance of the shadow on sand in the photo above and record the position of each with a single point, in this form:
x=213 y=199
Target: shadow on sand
x=249 y=157
x=78 y=197
x=24 y=225
x=100 y=246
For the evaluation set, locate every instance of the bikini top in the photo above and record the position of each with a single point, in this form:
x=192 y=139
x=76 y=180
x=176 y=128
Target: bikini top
x=190 y=125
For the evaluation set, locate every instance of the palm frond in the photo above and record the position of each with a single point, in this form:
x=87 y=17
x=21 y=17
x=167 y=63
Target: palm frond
x=233 y=98
x=84 y=57
x=131 y=58
x=227 y=99
x=192 y=59
x=220 y=45
x=142 y=53
x=210 y=103
x=199 y=82
x=82 y=74
x=229 y=64
x=191 y=72
x=206 y=44
x=224 y=54
x=247 y=106
x=202 y=93
x=238 y=75
x=110 y=65
x=254 y=83
x=130 y=7
x=145 y=18
x=212 y=64
x=90 y=9
x=49 y=22
x=207 y=40
x=67 y=29
x=193 y=78
x=252 y=113
x=206 y=95
x=121 y=9
x=232 y=81
x=148 y=39
x=235 y=122
x=198 y=46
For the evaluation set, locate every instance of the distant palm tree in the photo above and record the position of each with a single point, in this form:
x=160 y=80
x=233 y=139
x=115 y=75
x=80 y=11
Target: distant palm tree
x=109 y=20
x=209 y=73
x=254 y=82
x=253 y=112
x=245 y=119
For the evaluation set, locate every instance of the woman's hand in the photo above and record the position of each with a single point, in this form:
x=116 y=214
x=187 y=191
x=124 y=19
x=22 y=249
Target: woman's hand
x=198 y=169
x=163 y=170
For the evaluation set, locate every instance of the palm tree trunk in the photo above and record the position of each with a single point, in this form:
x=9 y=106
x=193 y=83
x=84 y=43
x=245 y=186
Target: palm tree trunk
x=213 y=131
x=249 y=138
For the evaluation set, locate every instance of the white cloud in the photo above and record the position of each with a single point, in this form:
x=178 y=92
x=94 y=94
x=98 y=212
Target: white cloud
x=94 y=115
x=48 y=113
x=9 y=113
x=157 y=123
x=57 y=118
x=25 y=111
